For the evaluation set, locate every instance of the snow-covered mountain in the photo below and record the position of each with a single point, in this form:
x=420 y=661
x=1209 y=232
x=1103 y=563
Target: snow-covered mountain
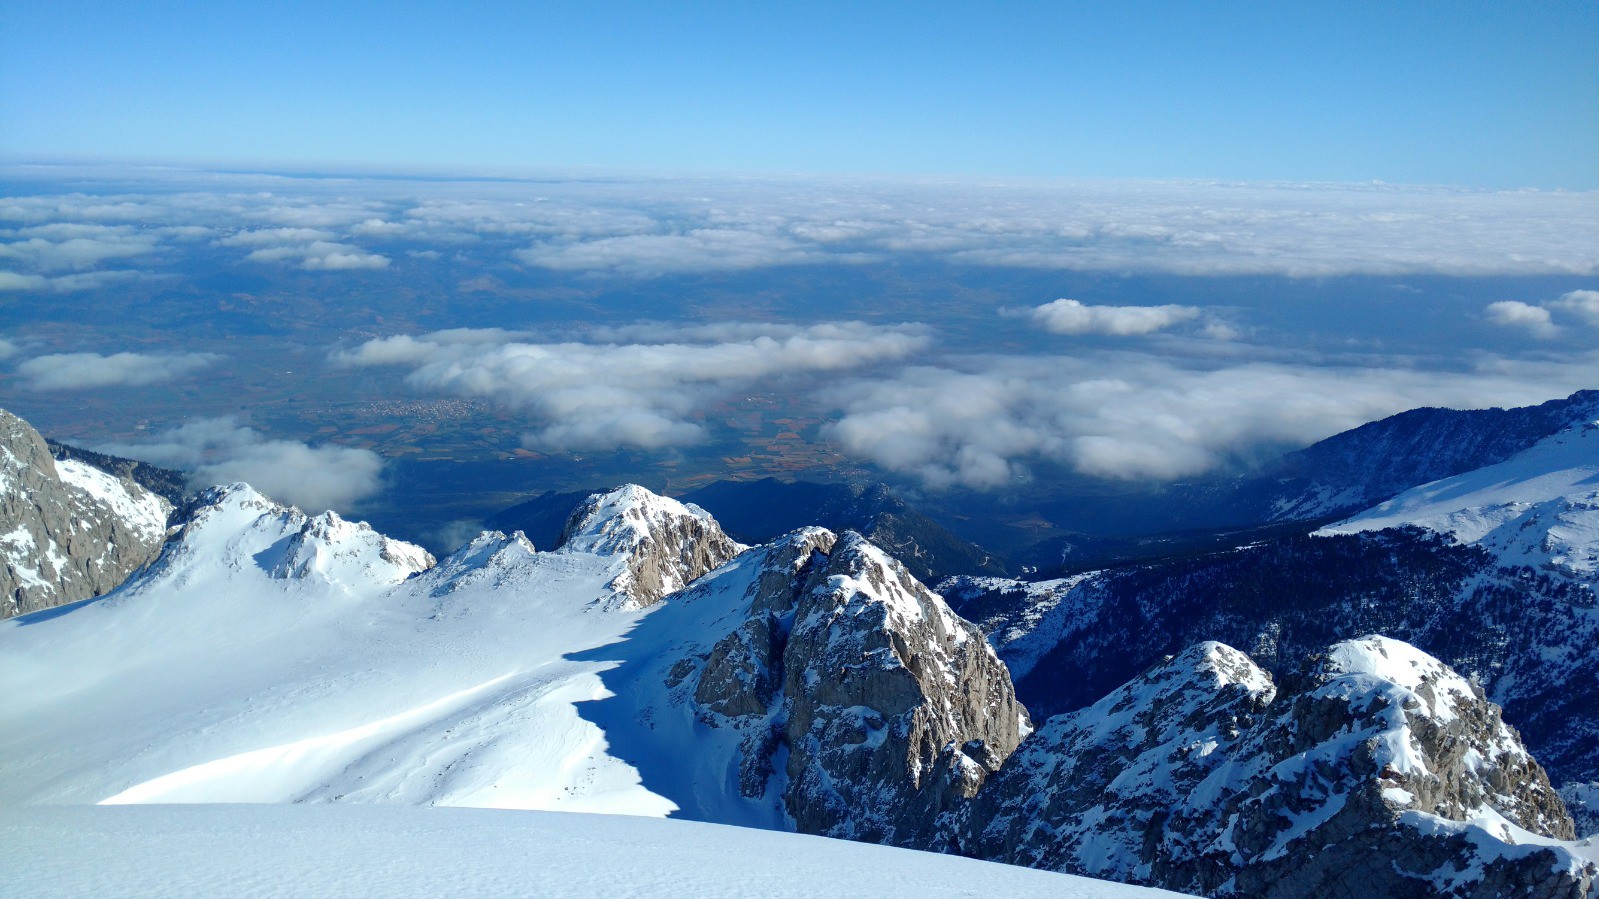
x=68 y=530
x=1376 y=461
x=1538 y=509
x=649 y=665
x=271 y=656
x=1380 y=772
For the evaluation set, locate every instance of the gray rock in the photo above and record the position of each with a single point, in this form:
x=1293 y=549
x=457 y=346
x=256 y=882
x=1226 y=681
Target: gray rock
x=68 y=531
x=666 y=544
x=1379 y=772
x=865 y=706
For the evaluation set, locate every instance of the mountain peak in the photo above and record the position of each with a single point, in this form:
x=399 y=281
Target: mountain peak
x=665 y=543
x=243 y=527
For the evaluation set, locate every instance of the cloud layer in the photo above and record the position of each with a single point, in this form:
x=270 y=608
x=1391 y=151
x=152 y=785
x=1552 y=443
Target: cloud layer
x=646 y=227
x=645 y=392
x=79 y=371
x=1584 y=304
x=1535 y=320
x=1072 y=317
x=223 y=451
x=1137 y=416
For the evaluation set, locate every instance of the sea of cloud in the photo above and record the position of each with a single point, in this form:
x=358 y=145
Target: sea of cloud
x=980 y=422
x=646 y=227
x=1151 y=407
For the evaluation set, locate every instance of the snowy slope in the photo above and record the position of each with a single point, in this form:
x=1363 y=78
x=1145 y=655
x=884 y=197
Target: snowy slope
x=269 y=656
x=1539 y=508
x=395 y=853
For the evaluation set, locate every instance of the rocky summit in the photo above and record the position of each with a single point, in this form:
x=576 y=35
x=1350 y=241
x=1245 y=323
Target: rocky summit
x=1379 y=771
x=665 y=543
x=68 y=530
x=882 y=705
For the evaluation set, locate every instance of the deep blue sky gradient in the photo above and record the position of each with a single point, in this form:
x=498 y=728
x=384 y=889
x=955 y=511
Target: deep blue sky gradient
x=1470 y=93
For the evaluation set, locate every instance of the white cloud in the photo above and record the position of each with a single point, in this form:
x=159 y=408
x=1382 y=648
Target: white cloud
x=1138 y=416
x=639 y=394
x=8 y=348
x=19 y=281
x=308 y=247
x=651 y=226
x=699 y=250
x=1535 y=320
x=69 y=283
x=78 y=371
x=1072 y=317
x=69 y=246
x=1582 y=303
x=223 y=451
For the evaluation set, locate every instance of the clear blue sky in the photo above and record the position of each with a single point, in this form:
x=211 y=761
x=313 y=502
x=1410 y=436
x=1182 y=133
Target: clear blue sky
x=1501 y=94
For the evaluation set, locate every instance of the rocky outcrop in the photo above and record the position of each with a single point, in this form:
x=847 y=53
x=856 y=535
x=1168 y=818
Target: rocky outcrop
x=665 y=544
x=68 y=531
x=1092 y=791
x=898 y=708
x=1378 y=772
x=873 y=704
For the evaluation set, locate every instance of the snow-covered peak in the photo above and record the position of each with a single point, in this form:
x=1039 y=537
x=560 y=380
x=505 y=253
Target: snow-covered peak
x=1388 y=662
x=488 y=548
x=1381 y=773
x=1539 y=508
x=616 y=521
x=1435 y=743
x=237 y=527
x=331 y=547
x=666 y=544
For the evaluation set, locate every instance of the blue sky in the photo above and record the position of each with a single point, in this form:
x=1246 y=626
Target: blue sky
x=1476 y=94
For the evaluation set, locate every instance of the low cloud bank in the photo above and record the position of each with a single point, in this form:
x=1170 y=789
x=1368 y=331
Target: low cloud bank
x=1539 y=320
x=223 y=451
x=80 y=371
x=1584 y=304
x=1535 y=320
x=643 y=389
x=1072 y=317
x=1139 y=416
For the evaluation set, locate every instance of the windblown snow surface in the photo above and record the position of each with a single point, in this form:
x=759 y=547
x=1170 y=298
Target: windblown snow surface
x=1538 y=508
x=394 y=853
x=269 y=656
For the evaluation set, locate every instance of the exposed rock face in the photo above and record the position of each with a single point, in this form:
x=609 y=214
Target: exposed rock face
x=881 y=706
x=898 y=707
x=68 y=531
x=665 y=543
x=1091 y=791
x=1380 y=772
